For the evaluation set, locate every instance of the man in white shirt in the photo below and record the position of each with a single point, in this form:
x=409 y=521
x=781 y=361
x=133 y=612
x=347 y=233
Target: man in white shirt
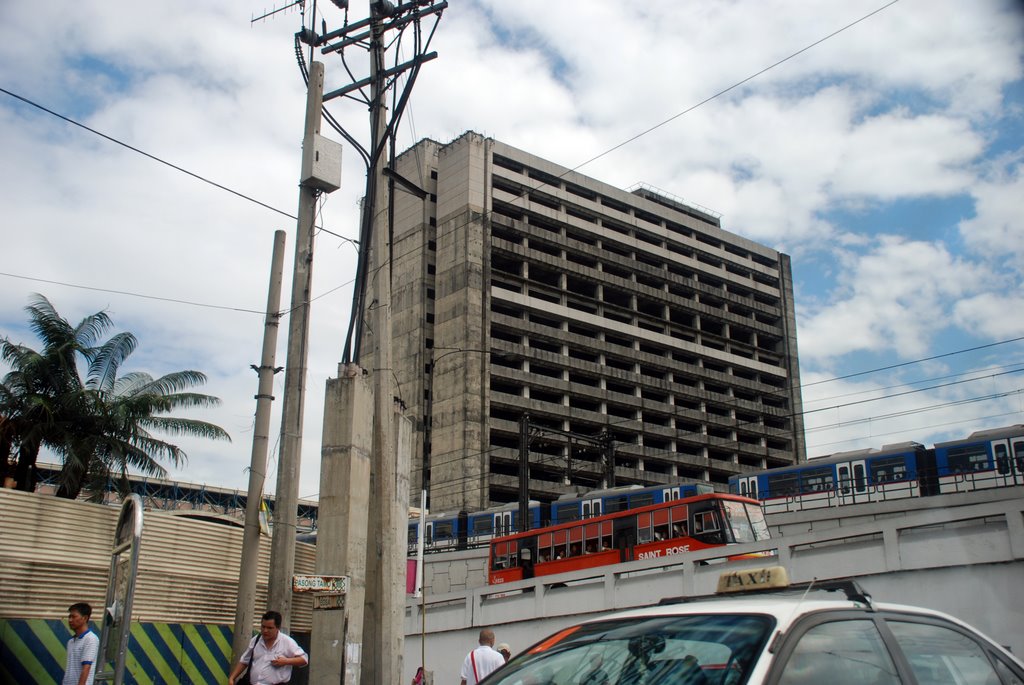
x=481 y=661
x=270 y=659
x=83 y=647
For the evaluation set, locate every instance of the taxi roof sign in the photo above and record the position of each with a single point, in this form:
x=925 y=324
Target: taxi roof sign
x=753 y=579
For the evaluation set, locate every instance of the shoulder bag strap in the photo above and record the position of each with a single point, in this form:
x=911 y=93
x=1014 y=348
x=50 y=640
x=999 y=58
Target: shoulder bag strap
x=472 y=657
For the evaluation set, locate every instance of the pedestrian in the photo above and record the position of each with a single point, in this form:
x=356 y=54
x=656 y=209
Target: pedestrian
x=481 y=661
x=83 y=647
x=505 y=651
x=271 y=655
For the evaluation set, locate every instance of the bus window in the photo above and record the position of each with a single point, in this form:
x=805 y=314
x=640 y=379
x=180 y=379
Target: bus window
x=606 y=535
x=680 y=522
x=643 y=528
x=504 y=554
x=543 y=548
x=661 y=524
x=706 y=528
x=576 y=541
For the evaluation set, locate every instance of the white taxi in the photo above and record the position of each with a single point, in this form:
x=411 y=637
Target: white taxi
x=761 y=630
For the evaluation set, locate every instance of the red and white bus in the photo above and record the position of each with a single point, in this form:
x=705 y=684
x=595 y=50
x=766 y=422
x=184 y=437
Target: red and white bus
x=658 y=530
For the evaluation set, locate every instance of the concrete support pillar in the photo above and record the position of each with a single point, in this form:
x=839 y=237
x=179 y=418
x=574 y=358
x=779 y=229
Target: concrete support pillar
x=384 y=620
x=336 y=641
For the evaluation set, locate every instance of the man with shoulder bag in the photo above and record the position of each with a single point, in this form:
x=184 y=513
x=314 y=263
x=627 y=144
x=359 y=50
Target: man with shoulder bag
x=270 y=656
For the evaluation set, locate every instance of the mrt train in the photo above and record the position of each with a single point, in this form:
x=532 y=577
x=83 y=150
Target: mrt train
x=446 y=531
x=986 y=459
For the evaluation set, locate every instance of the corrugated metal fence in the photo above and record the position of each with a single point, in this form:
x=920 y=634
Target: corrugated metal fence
x=55 y=552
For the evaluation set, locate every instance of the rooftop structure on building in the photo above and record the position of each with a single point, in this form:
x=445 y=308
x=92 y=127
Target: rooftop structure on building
x=521 y=287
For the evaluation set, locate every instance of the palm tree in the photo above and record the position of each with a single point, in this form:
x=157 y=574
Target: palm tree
x=101 y=426
x=40 y=398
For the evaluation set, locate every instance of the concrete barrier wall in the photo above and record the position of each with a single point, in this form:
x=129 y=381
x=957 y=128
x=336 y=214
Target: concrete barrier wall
x=964 y=556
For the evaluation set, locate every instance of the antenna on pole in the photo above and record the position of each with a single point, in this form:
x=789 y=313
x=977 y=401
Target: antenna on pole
x=277 y=10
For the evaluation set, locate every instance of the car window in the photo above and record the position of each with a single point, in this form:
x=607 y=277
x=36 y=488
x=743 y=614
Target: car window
x=663 y=650
x=943 y=656
x=1009 y=676
x=849 y=652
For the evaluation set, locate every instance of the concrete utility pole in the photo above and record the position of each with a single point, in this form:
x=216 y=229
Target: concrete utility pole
x=282 y=550
x=371 y=633
x=380 y=663
x=245 y=607
x=342 y=532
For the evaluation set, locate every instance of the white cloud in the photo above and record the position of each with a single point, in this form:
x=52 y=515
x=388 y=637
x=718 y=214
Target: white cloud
x=895 y=298
x=900 y=106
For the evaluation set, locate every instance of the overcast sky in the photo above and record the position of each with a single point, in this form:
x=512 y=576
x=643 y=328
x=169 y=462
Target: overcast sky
x=885 y=159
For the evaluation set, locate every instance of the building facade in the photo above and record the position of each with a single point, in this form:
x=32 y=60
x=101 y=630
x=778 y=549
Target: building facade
x=523 y=288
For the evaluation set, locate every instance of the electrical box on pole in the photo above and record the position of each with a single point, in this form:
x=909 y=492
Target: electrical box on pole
x=321 y=169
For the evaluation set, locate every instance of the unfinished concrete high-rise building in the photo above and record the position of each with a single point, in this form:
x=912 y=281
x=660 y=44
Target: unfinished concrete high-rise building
x=521 y=287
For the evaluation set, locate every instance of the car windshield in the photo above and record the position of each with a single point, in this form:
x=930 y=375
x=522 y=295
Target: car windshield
x=705 y=649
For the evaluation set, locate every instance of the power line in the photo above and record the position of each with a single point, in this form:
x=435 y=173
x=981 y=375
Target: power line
x=158 y=298
x=133 y=294
x=162 y=161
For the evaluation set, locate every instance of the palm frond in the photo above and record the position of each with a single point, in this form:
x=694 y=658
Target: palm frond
x=175 y=382
x=190 y=427
x=107 y=359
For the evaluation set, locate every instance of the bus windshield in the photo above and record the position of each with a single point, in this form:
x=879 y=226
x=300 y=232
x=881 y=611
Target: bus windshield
x=746 y=521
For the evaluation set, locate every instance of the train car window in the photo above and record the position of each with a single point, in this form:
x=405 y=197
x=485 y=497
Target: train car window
x=817 y=480
x=443 y=531
x=858 y=478
x=1018 y=454
x=844 y=480
x=614 y=504
x=783 y=484
x=568 y=512
x=483 y=526
x=968 y=458
x=1002 y=459
x=643 y=500
x=888 y=470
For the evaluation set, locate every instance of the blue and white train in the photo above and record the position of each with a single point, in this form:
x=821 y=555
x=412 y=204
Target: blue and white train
x=448 y=531
x=986 y=459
